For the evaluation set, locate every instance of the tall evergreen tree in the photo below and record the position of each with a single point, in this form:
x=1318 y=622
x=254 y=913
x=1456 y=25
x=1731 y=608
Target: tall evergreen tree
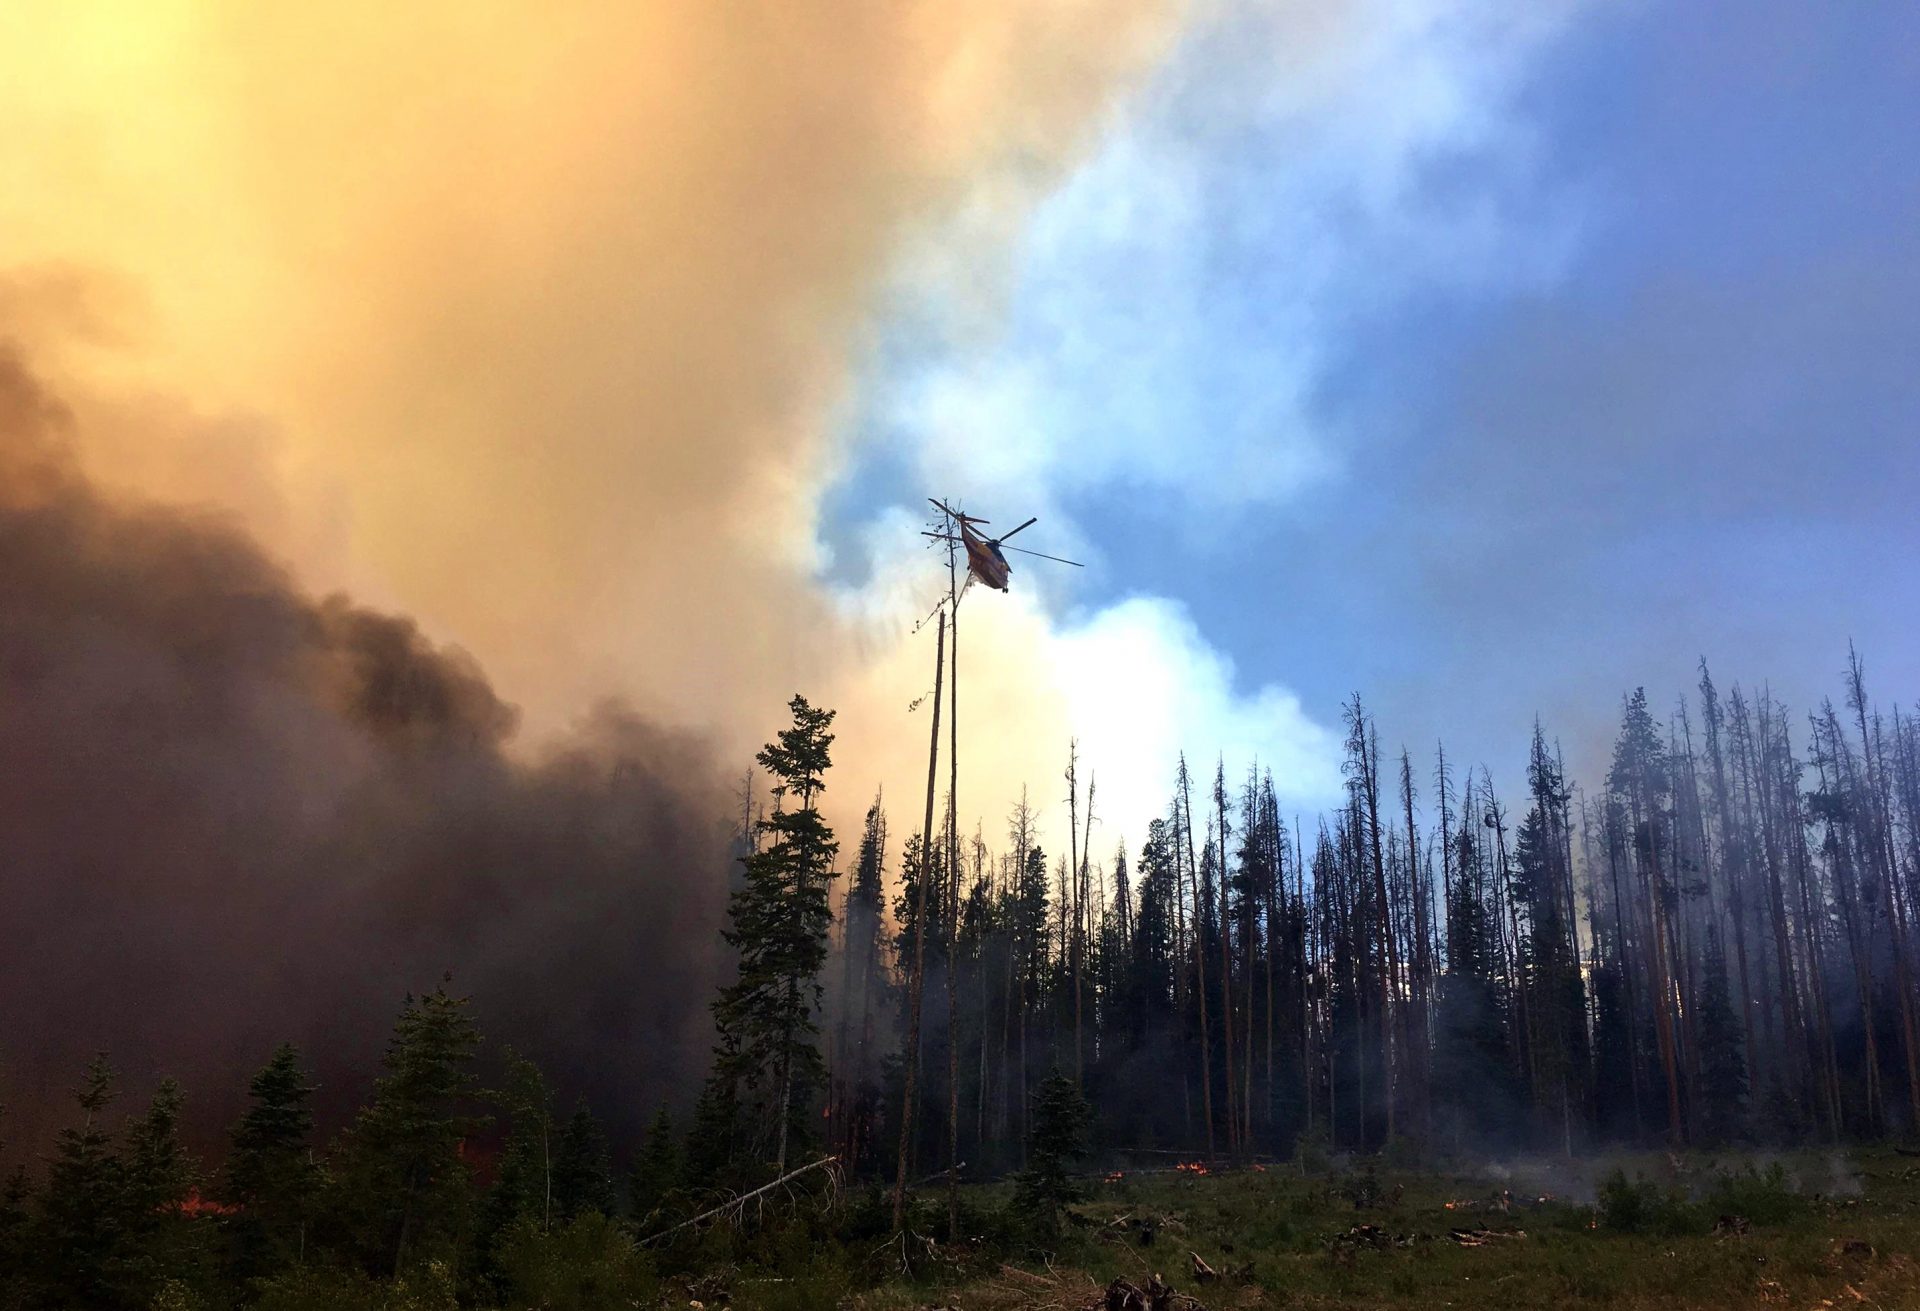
x=164 y=1238
x=1723 y=1089
x=270 y=1179
x=523 y=1183
x=16 y=1236
x=582 y=1169
x=404 y=1184
x=862 y=1000
x=1640 y=780
x=767 y=1065
x=656 y=1171
x=81 y=1239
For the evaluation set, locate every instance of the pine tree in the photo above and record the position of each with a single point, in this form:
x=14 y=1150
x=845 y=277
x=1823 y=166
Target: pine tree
x=1061 y=1118
x=1473 y=1074
x=1723 y=1073
x=16 y=1199
x=80 y=1237
x=656 y=1171
x=1549 y=950
x=163 y=1239
x=862 y=977
x=1640 y=780
x=404 y=1181
x=1613 y=1054
x=582 y=1169
x=766 y=1055
x=713 y=1144
x=523 y=1181
x=270 y=1178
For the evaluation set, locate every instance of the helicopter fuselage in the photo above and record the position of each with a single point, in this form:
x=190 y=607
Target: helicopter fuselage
x=984 y=560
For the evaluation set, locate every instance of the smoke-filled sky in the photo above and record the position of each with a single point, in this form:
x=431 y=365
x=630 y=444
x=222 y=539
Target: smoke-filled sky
x=1486 y=359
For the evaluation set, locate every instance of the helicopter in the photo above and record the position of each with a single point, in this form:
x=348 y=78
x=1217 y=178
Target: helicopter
x=985 y=558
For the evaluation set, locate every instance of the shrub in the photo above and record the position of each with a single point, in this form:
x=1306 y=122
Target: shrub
x=1640 y=1206
x=1061 y=1118
x=429 y=1288
x=587 y=1264
x=1762 y=1196
x=1314 y=1151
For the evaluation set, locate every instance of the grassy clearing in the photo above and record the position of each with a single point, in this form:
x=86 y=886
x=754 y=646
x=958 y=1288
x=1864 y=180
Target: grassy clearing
x=1809 y=1231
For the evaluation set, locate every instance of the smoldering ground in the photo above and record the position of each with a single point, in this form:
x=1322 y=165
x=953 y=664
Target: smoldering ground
x=232 y=814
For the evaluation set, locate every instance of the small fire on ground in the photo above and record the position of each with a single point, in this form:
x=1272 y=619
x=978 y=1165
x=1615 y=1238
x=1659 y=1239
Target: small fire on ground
x=194 y=1204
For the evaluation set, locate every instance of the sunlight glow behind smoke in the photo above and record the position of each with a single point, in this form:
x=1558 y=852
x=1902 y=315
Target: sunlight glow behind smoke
x=538 y=328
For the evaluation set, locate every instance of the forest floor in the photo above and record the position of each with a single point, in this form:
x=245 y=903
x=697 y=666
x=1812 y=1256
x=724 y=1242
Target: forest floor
x=1826 y=1230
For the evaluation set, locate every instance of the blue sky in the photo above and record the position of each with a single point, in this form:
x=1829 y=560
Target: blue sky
x=1485 y=365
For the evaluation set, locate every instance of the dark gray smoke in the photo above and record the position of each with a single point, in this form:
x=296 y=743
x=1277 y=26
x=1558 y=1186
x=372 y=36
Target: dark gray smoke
x=232 y=814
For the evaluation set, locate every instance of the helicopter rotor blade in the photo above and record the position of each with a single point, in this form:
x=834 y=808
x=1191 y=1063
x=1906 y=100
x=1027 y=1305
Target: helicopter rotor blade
x=1028 y=524
x=954 y=514
x=1044 y=556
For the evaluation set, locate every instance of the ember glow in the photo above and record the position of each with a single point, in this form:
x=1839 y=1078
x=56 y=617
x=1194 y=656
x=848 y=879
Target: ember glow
x=195 y=1205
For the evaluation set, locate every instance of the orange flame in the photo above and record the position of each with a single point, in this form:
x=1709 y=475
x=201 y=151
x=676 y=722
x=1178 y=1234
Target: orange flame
x=194 y=1204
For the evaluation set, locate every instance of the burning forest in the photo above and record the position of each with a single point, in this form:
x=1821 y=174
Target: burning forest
x=1121 y=656
x=1705 y=948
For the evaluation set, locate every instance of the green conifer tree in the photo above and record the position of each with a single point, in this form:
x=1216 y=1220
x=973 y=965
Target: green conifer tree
x=1723 y=1070
x=80 y=1239
x=270 y=1178
x=656 y=1171
x=767 y=1060
x=523 y=1182
x=582 y=1169
x=16 y=1199
x=404 y=1186
x=1061 y=1118
x=165 y=1241
x=522 y=1191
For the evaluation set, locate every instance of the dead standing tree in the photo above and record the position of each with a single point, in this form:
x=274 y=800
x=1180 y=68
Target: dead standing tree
x=1185 y=783
x=916 y=977
x=987 y=562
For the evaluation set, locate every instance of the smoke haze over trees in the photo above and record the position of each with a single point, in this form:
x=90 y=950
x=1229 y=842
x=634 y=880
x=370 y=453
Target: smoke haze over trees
x=232 y=813
x=236 y=816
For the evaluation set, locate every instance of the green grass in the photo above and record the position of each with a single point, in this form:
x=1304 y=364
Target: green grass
x=1273 y=1235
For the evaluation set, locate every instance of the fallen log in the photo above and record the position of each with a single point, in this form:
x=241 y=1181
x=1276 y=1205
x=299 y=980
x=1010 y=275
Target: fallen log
x=1481 y=1237
x=741 y=1200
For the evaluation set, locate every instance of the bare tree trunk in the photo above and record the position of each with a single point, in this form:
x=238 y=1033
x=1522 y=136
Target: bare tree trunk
x=953 y=909
x=1199 y=959
x=1417 y=1037
x=1880 y=845
x=1226 y=958
x=1390 y=983
x=916 y=978
x=1073 y=911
